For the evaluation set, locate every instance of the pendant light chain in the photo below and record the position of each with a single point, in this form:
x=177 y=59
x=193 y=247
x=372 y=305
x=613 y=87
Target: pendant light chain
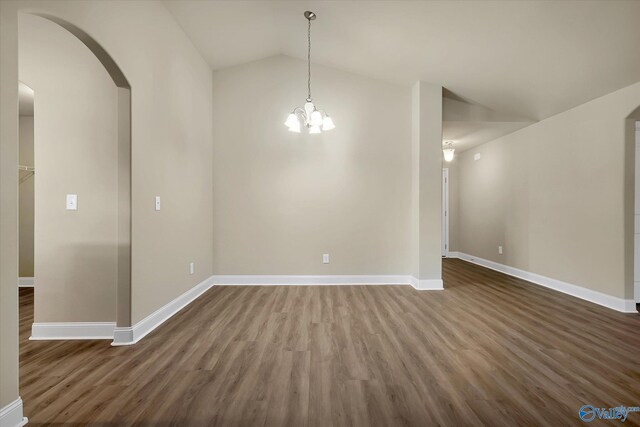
x=309 y=61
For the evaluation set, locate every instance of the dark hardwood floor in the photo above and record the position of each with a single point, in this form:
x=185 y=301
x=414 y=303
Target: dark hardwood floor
x=489 y=350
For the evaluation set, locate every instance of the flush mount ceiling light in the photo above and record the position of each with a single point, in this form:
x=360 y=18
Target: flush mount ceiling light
x=448 y=151
x=310 y=117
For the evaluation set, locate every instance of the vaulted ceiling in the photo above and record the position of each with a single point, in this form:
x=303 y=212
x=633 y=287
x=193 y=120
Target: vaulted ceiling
x=510 y=62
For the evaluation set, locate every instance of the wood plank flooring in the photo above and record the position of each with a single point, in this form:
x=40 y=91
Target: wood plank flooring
x=488 y=350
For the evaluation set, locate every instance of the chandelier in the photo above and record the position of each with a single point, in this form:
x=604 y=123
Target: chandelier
x=309 y=116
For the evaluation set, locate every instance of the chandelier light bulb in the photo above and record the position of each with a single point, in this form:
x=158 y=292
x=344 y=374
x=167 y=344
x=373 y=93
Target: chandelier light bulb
x=327 y=123
x=291 y=120
x=448 y=154
x=309 y=116
x=316 y=118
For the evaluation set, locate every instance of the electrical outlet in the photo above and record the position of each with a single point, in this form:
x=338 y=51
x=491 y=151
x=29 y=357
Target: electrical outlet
x=157 y=203
x=192 y=267
x=476 y=156
x=500 y=250
x=325 y=258
x=72 y=202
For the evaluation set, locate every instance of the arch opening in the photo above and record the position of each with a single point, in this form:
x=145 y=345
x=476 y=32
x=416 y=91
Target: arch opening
x=123 y=147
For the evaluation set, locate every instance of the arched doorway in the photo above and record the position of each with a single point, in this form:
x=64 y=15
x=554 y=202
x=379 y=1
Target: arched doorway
x=11 y=407
x=123 y=146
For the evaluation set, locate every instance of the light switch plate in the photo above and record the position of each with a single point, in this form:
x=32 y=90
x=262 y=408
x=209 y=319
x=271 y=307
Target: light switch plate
x=325 y=258
x=192 y=267
x=476 y=156
x=72 y=202
x=500 y=250
x=157 y=203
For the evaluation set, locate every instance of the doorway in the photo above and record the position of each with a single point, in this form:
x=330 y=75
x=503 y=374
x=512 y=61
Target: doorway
x=82 y=149
x=445 y=212
x=26 y=191
x=636 y=252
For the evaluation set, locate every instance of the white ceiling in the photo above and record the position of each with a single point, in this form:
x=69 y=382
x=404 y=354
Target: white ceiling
x=524 y=59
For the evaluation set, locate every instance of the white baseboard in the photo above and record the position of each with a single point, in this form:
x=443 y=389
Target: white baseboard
x=72 y=331
x=427 y=285
x=274 y=280
x=11 y=415
x=133 y=334
x=615 y=303
x=324 y=280
x=25 y=282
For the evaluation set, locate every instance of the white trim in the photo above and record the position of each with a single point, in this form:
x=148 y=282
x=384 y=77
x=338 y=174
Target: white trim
x=615 y=303
x=124 y=336
x=327 y=280
x=427 y=284
x=25 y=282
x=132 y=334
x=11 y=415
x=72 y=331
x=291 y=280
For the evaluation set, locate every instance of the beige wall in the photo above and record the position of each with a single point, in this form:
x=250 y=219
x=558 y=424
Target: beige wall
x=75 y=153
x=556 y=196
x=8 y=206
x=426 y=180
x=171 y=154
x=26 y=181
x=281 y=200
